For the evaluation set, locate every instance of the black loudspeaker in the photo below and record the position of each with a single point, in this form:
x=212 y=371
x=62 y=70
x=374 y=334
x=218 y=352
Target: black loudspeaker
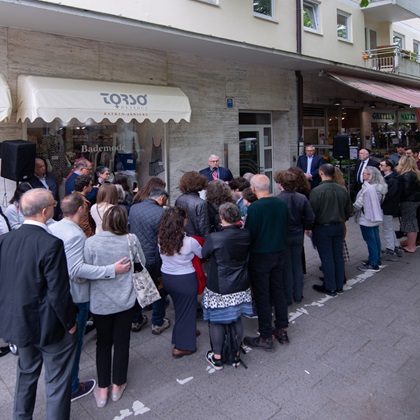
x=341 y=146
x=18 y=159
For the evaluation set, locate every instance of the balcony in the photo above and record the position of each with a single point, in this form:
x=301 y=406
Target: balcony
x=392 y=10
x=391 y=59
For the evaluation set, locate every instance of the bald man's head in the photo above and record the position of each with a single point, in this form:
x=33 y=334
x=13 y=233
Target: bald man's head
x=34 y=201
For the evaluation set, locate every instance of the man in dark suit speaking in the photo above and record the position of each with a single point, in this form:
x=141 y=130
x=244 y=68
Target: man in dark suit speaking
x=214 y=171
x=36 y=310
x=310 y=163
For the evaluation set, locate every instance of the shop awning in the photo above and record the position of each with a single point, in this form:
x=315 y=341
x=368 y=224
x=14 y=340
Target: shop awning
x=403 y=95
x=49 y=98
x=5 y=100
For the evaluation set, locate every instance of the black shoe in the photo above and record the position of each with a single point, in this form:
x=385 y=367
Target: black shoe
x=4 y=351
x=262 y=343
x=281 y=335
x=322 y=289
x=339 y=291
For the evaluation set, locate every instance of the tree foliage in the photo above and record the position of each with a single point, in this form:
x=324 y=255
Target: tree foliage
x=364 y=3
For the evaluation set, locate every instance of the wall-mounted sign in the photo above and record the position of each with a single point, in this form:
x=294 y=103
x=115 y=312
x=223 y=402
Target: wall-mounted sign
x=383 y=116
x=229 y=102
x=407 y=116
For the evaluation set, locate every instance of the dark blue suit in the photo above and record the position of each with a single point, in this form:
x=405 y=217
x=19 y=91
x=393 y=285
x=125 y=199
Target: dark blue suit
x=317 y=161
x=36 y=312
x=223 y=173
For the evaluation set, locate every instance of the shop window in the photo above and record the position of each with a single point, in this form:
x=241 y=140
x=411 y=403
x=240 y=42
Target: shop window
x=343 y=26
x=264 y=8
x=311 y=16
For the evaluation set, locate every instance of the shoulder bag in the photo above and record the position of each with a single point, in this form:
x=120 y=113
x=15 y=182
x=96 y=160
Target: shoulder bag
x=143 y=284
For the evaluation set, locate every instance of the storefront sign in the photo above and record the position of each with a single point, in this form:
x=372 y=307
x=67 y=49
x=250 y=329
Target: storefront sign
x=383 y=116
x=96 y=148
x=408 y=117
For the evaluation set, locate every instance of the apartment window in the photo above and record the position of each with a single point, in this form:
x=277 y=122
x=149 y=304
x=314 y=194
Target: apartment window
x=264 y=8
x=399 y=40
x=370 y=39
x=311 y=15
x=343 y=26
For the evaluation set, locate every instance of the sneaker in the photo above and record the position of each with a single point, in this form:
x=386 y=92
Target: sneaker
x=158 y=329
x=367 y=262
x=281 y=335
x=263 y=343
x=400 y=252
x=215 y=363
x=340 y=291
x=389 y=255
x=85 y=388
x=370 y=268
x=137 y=326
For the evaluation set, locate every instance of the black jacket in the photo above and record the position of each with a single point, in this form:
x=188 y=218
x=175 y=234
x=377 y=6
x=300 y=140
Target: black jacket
x=391 y=204
x=198 y=223
x=410 y=187
x=228 y=251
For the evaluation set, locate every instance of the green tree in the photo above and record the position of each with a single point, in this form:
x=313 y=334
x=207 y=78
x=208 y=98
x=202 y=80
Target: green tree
x=364 y=3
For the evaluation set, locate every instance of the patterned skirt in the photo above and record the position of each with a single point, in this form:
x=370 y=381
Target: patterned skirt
x=224 y=309
x=409 y=216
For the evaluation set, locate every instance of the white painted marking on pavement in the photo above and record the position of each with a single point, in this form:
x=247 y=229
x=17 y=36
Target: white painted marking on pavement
x=124 y=413
x=184 y=381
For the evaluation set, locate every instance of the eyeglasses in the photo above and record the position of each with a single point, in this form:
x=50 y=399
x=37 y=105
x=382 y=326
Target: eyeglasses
x=214 y=161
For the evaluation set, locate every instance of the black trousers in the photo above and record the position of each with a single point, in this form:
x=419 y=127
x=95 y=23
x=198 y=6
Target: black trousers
x=113 y=331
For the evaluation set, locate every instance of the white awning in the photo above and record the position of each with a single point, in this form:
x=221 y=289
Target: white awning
x=5 y=100
x=49 y=98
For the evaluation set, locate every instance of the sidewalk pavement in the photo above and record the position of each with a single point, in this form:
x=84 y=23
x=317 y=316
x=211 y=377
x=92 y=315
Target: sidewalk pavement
x=354 y=356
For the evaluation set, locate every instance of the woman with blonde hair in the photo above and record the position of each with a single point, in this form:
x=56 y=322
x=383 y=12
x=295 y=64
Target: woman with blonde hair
x=369 y=215
x=410 y=200
x=106 y=198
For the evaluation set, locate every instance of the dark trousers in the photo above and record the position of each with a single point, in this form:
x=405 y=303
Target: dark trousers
x=329 y=242
x=183 y=291
x=266 y=275
x=113 y=331
x=293 y=267
x=217 y=334
x=58 y=359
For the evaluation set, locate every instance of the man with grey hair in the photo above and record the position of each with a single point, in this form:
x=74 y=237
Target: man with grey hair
x=268 y=223
x=144 y=222
x=36 y=308
x=214 y=171
x=310 y=163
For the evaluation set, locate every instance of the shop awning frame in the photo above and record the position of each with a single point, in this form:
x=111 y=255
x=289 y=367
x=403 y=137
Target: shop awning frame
x=5 y=100
x=403 y=95
x=49 y=98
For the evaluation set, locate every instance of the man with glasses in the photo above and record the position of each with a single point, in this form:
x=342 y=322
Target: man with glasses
x=81 y=167
x=36 y=308
x=214 y=171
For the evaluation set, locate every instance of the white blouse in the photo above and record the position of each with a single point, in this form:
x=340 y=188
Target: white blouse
x=181 y=263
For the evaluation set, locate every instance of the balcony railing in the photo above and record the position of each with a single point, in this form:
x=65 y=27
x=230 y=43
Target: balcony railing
x=387 y=58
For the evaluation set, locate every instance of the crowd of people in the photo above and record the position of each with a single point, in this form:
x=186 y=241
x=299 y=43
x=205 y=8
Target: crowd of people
x=244 y=242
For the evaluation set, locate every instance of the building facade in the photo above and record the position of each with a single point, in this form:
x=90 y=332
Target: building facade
x=252 y=81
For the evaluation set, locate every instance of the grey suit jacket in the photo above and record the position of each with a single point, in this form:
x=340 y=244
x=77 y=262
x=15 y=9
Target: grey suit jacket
x=74 y=239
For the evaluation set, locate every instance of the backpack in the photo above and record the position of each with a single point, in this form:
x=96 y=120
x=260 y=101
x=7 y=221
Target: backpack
x=232 y=348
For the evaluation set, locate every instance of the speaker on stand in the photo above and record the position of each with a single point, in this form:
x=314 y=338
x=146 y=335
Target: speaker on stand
x=341 y=150
x=17 y=160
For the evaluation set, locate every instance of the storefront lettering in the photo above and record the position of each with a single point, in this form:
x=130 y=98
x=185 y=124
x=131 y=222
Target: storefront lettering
x=97 y=148
x=409 y=117
x=383 y=116
x=117 y=99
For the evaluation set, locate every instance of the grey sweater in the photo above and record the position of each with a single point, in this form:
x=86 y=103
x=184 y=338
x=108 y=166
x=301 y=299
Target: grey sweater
x=112 y=295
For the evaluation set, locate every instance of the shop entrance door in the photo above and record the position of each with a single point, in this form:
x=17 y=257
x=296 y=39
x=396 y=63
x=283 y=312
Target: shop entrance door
x=256 y=150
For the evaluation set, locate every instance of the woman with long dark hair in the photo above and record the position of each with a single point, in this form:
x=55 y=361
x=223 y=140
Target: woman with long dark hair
x=151 y=184
x=179 y=278
x=106 y=198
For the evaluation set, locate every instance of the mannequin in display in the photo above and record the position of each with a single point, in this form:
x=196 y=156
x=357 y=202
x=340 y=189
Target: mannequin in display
x=53 y=151
x=127 y=150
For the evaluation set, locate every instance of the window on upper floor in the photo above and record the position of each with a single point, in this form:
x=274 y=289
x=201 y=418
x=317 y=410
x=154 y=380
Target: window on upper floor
x=399 y=40
x=264 y=8
x=343 y=26
x=311 y=15
x=416 y=47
